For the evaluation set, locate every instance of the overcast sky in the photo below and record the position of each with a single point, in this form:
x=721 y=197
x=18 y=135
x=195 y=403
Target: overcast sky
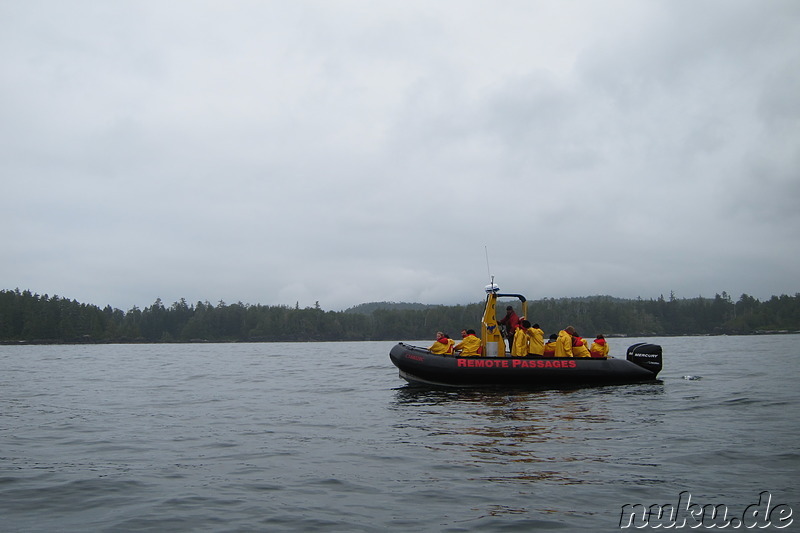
x=343 y=152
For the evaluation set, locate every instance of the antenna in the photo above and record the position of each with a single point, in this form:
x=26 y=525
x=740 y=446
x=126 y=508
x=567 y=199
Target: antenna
x=491 y=287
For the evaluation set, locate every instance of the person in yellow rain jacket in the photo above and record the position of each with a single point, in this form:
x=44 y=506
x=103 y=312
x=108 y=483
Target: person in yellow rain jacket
x=442 y=345
x=599 y=347
x=470 y=344
x=451 y=344
x=536 y=339
x=520 y=346
x=579 y=348
x=564 y=342
x=550 y=346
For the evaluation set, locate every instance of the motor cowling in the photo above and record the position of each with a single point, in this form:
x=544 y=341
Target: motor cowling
x=646 y=355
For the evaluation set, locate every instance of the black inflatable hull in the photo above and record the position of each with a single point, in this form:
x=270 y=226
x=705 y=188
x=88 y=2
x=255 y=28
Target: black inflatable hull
x=419 y=366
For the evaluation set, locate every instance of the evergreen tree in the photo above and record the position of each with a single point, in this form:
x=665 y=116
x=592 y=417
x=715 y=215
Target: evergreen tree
x=25 y=316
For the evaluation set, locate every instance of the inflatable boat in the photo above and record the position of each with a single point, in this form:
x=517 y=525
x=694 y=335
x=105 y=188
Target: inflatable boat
x=496 y=367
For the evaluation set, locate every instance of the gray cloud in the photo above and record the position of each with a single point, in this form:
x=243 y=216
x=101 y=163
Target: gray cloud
x=348 y=152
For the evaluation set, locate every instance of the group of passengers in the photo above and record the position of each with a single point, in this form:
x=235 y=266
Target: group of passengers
x=524 y=339
x=470 y=343
x=568 y=343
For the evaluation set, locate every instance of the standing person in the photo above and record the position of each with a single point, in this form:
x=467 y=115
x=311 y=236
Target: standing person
x=510 y=322
x=599 y=347
x=536 y=339
x=520 y=347
x=470 y=344
x=564 y=342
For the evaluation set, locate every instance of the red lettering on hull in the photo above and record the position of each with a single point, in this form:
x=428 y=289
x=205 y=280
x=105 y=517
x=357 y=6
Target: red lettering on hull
x=514 y=363
x=483 y=363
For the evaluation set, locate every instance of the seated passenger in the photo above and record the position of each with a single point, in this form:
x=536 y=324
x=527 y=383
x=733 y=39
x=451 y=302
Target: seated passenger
x=599 y=347
x=536 y=339
x=442 y=344
x=579 y=348
x=469 y=345
x=564 y=342
x=451 y=344
x=520 y=347
x=550 y=346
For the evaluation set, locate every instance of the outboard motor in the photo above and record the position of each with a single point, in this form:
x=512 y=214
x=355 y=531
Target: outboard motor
x=646 y=356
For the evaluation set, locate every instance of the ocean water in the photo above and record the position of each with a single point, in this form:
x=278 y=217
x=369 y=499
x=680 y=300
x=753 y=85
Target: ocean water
x=326 y=437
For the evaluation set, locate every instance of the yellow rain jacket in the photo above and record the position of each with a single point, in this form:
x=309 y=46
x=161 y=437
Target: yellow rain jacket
x=579 y=348
x=550 y=349
x=441 y=346
x=564 y=344
x=520 y=347
x=599 y=348
x=536 y=343
x=469 y=345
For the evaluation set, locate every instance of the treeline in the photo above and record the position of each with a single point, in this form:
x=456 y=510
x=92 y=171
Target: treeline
x=28 y=317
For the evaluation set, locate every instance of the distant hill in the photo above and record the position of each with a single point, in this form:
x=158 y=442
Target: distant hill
x=371 y=307
x=595 y=298
x=34 y=318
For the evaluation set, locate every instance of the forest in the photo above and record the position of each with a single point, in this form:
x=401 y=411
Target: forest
x=26 y=317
